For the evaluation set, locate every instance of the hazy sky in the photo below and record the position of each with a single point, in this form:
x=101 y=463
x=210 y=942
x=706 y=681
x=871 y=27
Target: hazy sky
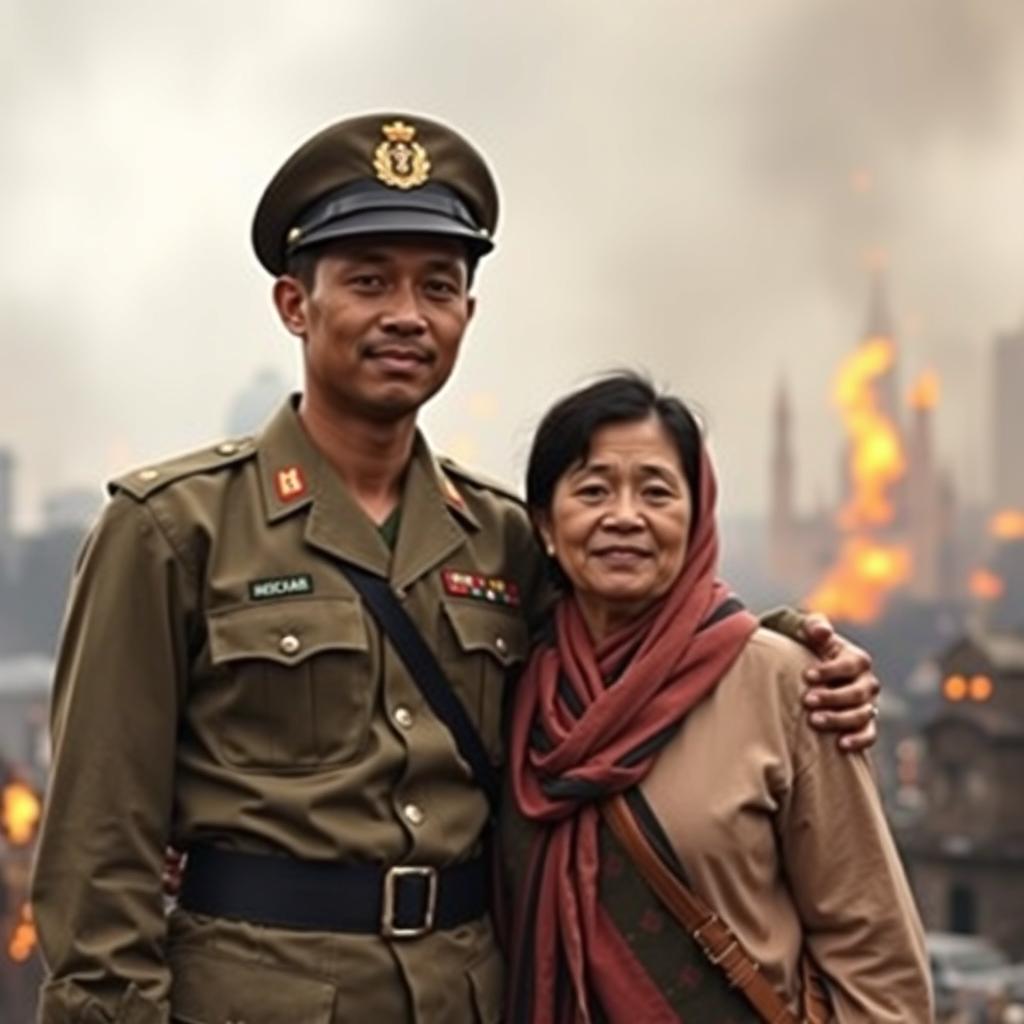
x=689 y=187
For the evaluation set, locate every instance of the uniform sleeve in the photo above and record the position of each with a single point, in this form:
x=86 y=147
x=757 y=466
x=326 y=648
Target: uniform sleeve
x=787 y=621
x=861 y=926
x=120 y=677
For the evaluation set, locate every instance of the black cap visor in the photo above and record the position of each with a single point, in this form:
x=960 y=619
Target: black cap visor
x=368 y=208
x=394 y=222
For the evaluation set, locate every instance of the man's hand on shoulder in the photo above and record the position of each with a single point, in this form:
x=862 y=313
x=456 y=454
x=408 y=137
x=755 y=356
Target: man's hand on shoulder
x=842 y=688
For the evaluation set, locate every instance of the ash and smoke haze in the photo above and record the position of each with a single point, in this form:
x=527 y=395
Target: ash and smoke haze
x=687 y=187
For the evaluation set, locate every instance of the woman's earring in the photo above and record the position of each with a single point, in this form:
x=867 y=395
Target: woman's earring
x=550 y=549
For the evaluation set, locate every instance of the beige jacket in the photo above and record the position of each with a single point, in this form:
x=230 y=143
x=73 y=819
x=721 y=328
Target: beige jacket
x=785 y=837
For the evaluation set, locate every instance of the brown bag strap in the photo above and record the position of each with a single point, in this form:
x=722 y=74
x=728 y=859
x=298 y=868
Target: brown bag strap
x=714 y=937
x=817 y=1008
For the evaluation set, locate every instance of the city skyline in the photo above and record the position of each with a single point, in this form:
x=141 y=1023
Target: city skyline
x=814 y=485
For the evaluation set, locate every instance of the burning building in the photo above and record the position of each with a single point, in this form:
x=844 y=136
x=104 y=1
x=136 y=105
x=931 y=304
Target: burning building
x=895 y=512
x=20 y=808
x=1001 y=579
x=997 y=585
x=24 y=695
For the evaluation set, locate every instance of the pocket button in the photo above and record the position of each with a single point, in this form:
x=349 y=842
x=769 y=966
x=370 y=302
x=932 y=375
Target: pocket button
x=501 y=645
x=289 y=644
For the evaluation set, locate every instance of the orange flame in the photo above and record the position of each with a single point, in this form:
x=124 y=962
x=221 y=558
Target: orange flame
x=19 y=813
x=1007 y=524
x=854 y=588
x=23 y=938
x=876 y=456
x=867 y=568
x=986 y=585
x=925 y=392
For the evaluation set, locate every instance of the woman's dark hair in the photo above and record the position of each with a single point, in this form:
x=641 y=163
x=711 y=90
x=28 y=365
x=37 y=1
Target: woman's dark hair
x=565 y=433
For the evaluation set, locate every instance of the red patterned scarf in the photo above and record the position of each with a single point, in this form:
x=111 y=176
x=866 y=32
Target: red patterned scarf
x=588 y=722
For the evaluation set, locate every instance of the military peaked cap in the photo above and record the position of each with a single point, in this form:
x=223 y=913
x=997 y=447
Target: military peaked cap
x=377 y=174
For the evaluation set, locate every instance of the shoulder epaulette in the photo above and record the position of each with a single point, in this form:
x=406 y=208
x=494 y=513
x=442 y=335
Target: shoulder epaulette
x=141 y=483
x=478 y=479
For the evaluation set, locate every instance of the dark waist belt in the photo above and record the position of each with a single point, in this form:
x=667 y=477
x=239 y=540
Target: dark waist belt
x=400 y=902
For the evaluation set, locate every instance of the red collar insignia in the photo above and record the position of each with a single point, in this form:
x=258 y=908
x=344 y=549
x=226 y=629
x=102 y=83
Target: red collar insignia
x=290 y=483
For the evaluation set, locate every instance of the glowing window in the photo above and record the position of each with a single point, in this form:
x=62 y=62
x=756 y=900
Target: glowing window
x=955 y=688
x=980 y=688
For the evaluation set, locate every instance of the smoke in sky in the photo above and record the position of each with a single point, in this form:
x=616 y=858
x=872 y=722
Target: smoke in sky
x=687 y=187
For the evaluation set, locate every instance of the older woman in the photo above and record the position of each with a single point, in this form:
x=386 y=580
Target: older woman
x=654 y=682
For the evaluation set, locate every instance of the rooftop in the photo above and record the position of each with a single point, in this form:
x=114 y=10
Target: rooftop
x=1003 y=649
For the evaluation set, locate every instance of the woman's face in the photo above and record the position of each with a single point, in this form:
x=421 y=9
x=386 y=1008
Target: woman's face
x=619 y=522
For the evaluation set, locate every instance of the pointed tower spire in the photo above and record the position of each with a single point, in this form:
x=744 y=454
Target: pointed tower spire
x=880 y=326
x=783 y=415
x=879 y=323
x=922 y=490
x=782 y=483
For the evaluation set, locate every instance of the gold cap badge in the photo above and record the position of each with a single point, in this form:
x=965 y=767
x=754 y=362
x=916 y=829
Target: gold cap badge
x=399 y=160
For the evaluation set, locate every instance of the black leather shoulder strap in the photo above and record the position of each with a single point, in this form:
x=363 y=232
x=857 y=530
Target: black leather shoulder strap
x=427 y=674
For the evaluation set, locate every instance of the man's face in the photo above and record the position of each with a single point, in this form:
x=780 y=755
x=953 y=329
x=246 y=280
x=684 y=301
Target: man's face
x=381 y=323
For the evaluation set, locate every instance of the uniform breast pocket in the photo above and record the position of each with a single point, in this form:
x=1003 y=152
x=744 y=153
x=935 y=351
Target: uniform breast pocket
x=483 y=648
x=293 y=684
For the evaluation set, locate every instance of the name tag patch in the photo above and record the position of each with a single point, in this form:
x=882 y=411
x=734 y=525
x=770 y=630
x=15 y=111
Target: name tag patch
x=281 y=586
x=483 y=588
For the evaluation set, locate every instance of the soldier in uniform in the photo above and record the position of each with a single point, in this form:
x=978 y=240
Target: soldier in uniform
x=221 y=687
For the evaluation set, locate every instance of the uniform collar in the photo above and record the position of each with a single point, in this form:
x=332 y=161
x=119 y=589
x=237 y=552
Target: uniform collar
x=451 y=495
x=295 y=476
x=284 y=449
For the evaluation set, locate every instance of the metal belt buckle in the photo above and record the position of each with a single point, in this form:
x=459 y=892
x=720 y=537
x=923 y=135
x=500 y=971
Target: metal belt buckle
x=706 y=948
x=388 y=928
x=698 y=937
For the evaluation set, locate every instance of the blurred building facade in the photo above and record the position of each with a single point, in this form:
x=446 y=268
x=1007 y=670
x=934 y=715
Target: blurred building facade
x=1008 y=419
x=6 y=512
x=35 y=568
x=966 y=852
x=24 y=700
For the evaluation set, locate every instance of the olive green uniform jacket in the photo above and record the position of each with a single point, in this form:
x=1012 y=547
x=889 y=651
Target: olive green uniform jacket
x=219 y=681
